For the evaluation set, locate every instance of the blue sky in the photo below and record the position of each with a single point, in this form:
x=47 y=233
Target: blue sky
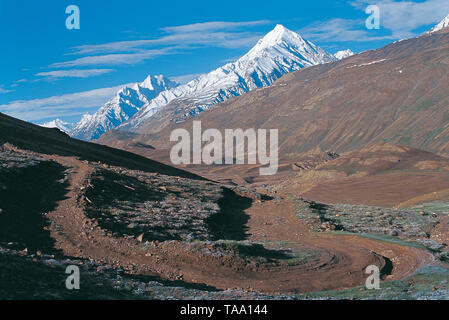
x=48 y=71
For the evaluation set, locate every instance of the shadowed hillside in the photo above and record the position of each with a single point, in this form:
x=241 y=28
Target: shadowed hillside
x=28 y=136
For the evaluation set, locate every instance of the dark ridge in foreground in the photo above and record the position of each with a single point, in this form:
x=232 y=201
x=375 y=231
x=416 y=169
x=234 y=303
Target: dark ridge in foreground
x=32 y=137
x=26 y=194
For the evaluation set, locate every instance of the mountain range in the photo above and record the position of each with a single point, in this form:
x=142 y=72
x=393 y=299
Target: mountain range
x=148 y=107
x=396 y=94
x=343 y=54
x=351 y=191
x=280 y=52
x=58 y=123
x=127 y=101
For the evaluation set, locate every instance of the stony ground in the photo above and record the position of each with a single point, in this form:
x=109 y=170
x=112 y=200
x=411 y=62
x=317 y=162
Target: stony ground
x=410 y=224
x=42 y=276
x=158 y=207
x=429 y=283
x=144 y=235
x=125 y=204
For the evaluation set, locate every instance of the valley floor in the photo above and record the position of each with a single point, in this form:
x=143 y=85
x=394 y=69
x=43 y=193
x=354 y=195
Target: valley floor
x=238 y=245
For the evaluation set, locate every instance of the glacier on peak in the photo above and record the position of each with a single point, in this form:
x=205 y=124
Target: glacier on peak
x=342 y=54
x=279 y=52
x=441 y=25
x=126 y=102
x=58 y=123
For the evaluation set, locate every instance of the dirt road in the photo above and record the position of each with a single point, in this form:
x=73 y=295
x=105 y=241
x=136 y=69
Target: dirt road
x=336 y=261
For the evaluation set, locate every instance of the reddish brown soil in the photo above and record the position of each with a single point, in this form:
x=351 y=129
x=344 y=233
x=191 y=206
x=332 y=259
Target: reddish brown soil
x=341 y=262
x=382 y=174
x=383 y=190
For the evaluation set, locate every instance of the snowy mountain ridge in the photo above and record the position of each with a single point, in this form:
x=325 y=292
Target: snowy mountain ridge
x=443 y=24
x=121 y=107
x=281 y=51
x=343 y=54
x=58 y=123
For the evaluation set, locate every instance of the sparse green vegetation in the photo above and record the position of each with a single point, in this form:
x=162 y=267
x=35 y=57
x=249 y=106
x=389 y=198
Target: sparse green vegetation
x=383 y=238
x=408 y=227
x=430 y=283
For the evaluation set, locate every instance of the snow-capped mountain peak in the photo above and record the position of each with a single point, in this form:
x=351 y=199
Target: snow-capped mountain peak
x=343 y=54
x=153 y=82
x=58 y=123
x=126 y=102
x=276 y=36
x=283 y=42
x=279 y=52
x=443 y=24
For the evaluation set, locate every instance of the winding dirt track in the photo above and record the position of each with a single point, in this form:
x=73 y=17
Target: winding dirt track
x=340 y=264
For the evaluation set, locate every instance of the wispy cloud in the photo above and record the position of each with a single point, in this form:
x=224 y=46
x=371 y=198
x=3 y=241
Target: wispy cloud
x=340 y=30
x=217 y=33
x=59 y=106
x=213 y=26
x=16 y=83
x=74 y=73
x=4 y=90
x=403 y=18
x=173 y=40
x=400 y=19
x=113 y=59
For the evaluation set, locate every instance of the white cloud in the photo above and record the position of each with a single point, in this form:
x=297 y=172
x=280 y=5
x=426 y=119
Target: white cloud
x=404 y=17
x=340 y=30
x=16 y=83
x=5 y=90
x=58 y=106
x=113 y=59
x=207 y=33
x=173 y=40
x=400 y=18
x=214 y=25
x=74 y=73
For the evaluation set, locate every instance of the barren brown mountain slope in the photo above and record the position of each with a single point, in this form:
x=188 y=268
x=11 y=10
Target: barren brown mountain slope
x=396 y=94
x=28 y=136
x=382 y=174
